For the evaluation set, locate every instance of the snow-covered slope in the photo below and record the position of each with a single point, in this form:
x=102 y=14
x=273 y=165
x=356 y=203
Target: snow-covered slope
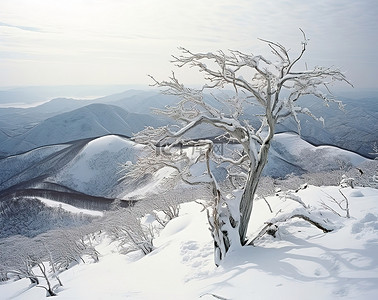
x=300 y=263
x=95 y=170
x=36 y=164
x=291 y=154
x=92 y=166
x=13 y=165
x=355 y=128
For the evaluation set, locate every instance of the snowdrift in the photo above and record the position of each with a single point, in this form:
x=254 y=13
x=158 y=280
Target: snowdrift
x=301 y=262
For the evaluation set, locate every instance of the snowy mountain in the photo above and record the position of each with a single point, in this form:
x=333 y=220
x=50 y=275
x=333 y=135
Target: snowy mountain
x=80 y=179
x=89 y=121
x=292 y=154
x=32 y=95
x=92 y=166
x=96 y=169
x=355 y=128
x=16 y=121
x=88 y=166
x=79 y=175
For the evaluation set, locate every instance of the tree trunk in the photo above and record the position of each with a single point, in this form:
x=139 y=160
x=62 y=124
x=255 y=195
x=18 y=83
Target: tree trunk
x=224 y=228
x=246 y=203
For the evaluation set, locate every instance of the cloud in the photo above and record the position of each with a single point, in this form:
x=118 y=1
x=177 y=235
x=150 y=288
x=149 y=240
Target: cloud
x=137 y=35
x=26 y=28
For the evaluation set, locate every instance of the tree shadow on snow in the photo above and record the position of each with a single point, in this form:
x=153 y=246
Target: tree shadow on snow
x=305 y=261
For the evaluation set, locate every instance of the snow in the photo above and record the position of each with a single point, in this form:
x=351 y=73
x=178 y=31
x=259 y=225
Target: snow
x=302 y=262
x=95 y=169
x=70 y=208
x=152 y=187
x=82 y=166
x=291 y=154
x=295 y=146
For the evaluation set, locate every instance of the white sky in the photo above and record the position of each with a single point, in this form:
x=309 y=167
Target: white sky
x=59 y=42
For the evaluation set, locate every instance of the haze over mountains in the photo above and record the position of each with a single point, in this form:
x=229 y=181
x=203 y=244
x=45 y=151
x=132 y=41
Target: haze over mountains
x=93 y=120
x=64 y=119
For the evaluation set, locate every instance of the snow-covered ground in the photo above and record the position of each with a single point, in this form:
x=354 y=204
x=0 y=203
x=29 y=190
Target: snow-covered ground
x=96 y=168
x=302 y=262
x=70 y=208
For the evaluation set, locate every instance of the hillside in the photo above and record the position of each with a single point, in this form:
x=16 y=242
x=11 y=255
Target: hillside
x=18 y=120
x=92 y=166
x=290 y=154
x=354 y=128
x=301 y=262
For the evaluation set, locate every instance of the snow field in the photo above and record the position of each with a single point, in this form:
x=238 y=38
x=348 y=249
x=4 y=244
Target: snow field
x=302 y=262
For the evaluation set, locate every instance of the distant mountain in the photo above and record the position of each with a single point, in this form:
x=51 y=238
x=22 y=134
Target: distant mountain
x=145 y=102
x=93 y=120
x=290 y=154
x=82 y=173
x=36 y=94
x=16 y=121
x=355 y=128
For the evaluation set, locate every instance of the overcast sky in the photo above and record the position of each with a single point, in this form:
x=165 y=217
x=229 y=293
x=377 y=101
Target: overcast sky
x=60 y=42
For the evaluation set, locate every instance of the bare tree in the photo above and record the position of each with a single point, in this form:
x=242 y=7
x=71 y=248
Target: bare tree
x=272 y=88
x=165 y=206
x=14 y=259
x=24 y=257
x=41 y=259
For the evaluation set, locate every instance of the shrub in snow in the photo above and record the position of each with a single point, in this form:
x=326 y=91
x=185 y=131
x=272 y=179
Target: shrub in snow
x=347 y=181
x=41 y=259
x=337 y=204
x=165 y=206
x=24 y=257
x=124 y=226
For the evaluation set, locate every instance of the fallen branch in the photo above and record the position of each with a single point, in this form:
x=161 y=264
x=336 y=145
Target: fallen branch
x=271 y=226
x=215 y=296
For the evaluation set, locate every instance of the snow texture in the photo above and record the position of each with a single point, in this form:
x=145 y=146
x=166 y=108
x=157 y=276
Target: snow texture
x=300 y=263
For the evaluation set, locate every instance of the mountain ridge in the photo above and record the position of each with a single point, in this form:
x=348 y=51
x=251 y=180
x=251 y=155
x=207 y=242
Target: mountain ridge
x=93 y=120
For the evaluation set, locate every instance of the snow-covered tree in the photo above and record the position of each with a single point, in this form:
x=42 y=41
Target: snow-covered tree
x=23 y=257
x=270 y=87
x=124 y=225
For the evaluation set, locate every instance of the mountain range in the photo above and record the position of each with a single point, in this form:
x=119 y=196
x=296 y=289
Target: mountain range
x=354 y=128
x=71 y=151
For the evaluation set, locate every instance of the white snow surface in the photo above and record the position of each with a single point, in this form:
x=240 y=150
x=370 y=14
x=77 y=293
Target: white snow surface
x=82 y=165
x=302 y=262
x=70 y=208
x=96 y=168
x=290 y=153
x=295 y=145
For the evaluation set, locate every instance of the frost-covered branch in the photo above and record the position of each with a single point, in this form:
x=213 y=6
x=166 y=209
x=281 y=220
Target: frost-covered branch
x=273 y=86
x=314 y=218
